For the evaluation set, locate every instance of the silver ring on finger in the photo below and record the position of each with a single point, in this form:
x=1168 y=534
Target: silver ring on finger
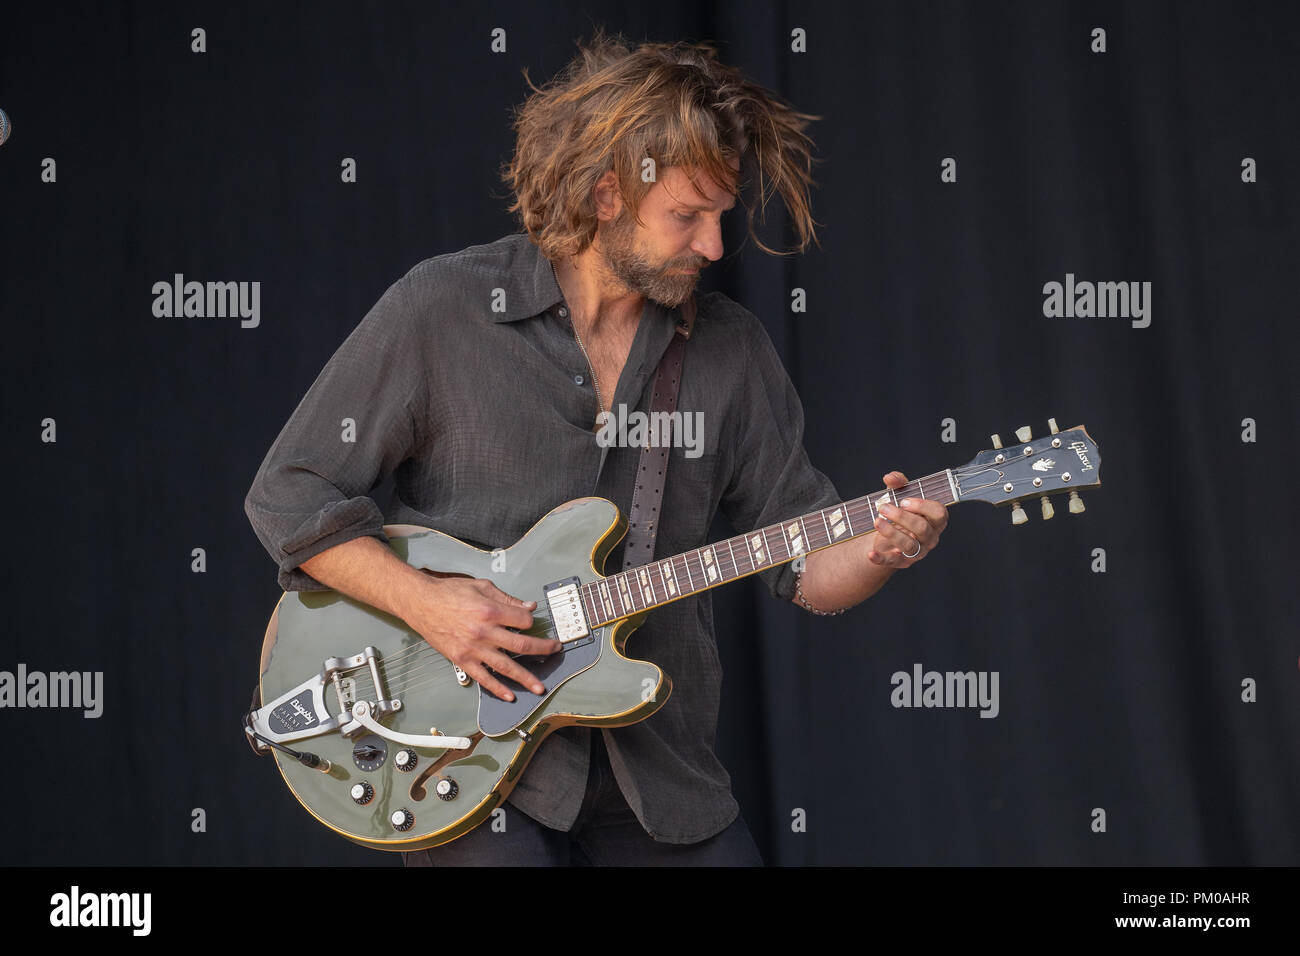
x=914 y=553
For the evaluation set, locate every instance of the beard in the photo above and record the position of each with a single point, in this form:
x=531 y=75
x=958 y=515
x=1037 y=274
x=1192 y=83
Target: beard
x=626 y=264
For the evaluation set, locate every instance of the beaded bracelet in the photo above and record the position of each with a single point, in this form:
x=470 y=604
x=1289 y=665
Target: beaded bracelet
x=798 y=593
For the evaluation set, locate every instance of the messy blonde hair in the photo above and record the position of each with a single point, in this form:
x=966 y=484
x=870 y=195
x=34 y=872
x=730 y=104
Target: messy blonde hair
x=612 y=107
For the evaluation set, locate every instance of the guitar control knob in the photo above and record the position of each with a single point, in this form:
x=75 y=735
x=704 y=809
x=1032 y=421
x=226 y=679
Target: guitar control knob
x=402 y=819
x=362 y=793
x=369 y=753
x=405 y=760
x=1018 y=515
x=446 y=789
x=1076 y=503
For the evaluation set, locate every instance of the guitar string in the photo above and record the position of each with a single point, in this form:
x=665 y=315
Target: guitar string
x=419 y=673
x=415 y=648
x=440 y=666
x=426 y=672
x=415 y=672
x=862 y=505
x=435 y=666
x=399 y=681
x=432 y=665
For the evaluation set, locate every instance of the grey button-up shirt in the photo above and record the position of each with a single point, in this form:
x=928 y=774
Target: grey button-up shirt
x=467 y=384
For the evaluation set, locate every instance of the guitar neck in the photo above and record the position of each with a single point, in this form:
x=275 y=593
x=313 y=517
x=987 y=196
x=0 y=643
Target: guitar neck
x=660 y=582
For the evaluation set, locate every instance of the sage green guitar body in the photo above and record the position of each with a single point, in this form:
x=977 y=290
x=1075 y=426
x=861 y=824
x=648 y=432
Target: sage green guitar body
x=308 y=627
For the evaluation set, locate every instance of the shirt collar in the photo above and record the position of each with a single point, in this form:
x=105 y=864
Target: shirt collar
x=530 y=283
x=531 y=288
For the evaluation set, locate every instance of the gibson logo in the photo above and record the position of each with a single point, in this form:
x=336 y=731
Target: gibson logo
x=1079 y=449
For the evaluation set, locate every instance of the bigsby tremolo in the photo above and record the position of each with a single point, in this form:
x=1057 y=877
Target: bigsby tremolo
x=301 y=713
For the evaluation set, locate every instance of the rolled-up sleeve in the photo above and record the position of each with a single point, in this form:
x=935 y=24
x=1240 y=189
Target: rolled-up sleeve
x=360 y=419
x=772 y=478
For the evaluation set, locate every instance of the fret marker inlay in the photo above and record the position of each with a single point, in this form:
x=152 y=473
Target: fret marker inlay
x=710 y=567
x=670 y=578
x=796 y=538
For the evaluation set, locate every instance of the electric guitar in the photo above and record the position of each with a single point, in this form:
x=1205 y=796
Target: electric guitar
x=407 y=753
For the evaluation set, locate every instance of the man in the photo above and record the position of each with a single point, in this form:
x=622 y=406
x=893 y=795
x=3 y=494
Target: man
x=479 y=381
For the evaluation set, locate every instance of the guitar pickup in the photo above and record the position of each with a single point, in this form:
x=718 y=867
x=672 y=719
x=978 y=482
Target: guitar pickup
x=566 y=610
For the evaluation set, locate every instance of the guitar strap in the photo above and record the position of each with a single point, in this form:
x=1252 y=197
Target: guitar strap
x=643 y=519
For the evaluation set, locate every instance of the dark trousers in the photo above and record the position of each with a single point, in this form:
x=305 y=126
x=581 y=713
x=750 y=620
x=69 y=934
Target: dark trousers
x=606 y=833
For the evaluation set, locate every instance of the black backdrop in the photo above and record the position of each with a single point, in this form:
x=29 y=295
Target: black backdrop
x=1120 y=690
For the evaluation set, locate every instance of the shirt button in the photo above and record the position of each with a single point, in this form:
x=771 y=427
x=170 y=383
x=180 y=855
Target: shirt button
x=564 y=313
x=578 y=380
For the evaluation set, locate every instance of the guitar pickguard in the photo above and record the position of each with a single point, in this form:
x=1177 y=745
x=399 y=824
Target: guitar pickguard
x=497 y=717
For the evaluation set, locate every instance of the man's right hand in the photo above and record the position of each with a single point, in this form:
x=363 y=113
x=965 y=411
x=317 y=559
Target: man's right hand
x=466 y=620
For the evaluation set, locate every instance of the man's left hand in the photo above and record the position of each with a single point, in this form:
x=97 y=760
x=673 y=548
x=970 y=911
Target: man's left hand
x=899 y=530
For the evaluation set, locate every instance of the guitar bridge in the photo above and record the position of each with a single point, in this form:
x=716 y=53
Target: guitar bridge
x=301 y=713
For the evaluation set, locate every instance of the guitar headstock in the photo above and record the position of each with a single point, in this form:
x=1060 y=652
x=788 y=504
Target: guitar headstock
x=1061 y=461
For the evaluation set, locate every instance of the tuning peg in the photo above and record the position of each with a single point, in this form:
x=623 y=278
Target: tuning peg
x=1051 y=424
x=1024 y=433
x=1076 y=503
x=997 y=441
x=1018 y=515
x=1048 y=510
